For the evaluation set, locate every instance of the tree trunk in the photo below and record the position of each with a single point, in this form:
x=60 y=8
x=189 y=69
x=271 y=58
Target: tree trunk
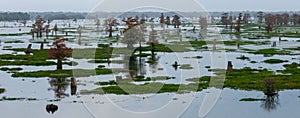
x=152 y=48
x=110 y=31
x=42 y=46
x=130 y=46
x=59 y=64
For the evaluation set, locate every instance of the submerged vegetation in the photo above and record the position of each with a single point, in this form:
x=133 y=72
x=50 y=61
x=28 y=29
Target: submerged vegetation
x=14 y=99
x=2 y=90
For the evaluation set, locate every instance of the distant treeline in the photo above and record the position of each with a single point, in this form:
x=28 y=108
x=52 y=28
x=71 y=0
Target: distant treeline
x=59 y=15
x=9 y=16
x=16 y=16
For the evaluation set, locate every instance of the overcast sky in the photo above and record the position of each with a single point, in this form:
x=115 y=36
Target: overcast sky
x=120 y=5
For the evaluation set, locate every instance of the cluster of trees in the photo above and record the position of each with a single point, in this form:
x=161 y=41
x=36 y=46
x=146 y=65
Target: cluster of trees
x=10 y=16
x=279 y=19
x=175 y=21
x=282 y=19
x=228 y=20
x=295 y=19
x=269 y=19
x=233 y=21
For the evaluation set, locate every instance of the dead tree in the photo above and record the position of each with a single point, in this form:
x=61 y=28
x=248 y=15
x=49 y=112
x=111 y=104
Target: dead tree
x=162 y=19
x=238 y=23
x=176 y=21
x=55 y=29
x=109 y=23
x=203 y=23
x=270 y=21
x=224 y=19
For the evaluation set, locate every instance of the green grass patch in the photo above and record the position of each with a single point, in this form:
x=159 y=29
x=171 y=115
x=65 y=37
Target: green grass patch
x=38 y=58
x=142 y=55
x=111 y=82
x=63 y=73
x=128 y=88
x=272 y=51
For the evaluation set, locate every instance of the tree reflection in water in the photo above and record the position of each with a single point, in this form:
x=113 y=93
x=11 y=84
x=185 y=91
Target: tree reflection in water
x=270 y=103
x=60 y=85
x=73 y=86
x=272 y=99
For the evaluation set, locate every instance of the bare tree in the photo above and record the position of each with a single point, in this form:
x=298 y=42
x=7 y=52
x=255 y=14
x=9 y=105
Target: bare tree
x=270 y=21
x=203 y=23
x=168 y=21
x=238 y=23
x=97 y=23
x=224 y=19
x=162 y=19
x=260 y=16
x=110 y=23
x=132 y=33
x=286 y=18
x=246 y=18
x=176 y=21
x=55 y=29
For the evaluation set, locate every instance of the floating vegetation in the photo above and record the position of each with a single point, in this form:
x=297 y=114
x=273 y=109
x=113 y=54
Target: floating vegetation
x=252 y=99
x=185 y=66
x=16 y=41
x=10 y=69
x=15 y=99
x=2 y=90
x=275 y=61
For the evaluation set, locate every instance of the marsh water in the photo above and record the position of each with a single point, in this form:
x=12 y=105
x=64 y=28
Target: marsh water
x=39 y=92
